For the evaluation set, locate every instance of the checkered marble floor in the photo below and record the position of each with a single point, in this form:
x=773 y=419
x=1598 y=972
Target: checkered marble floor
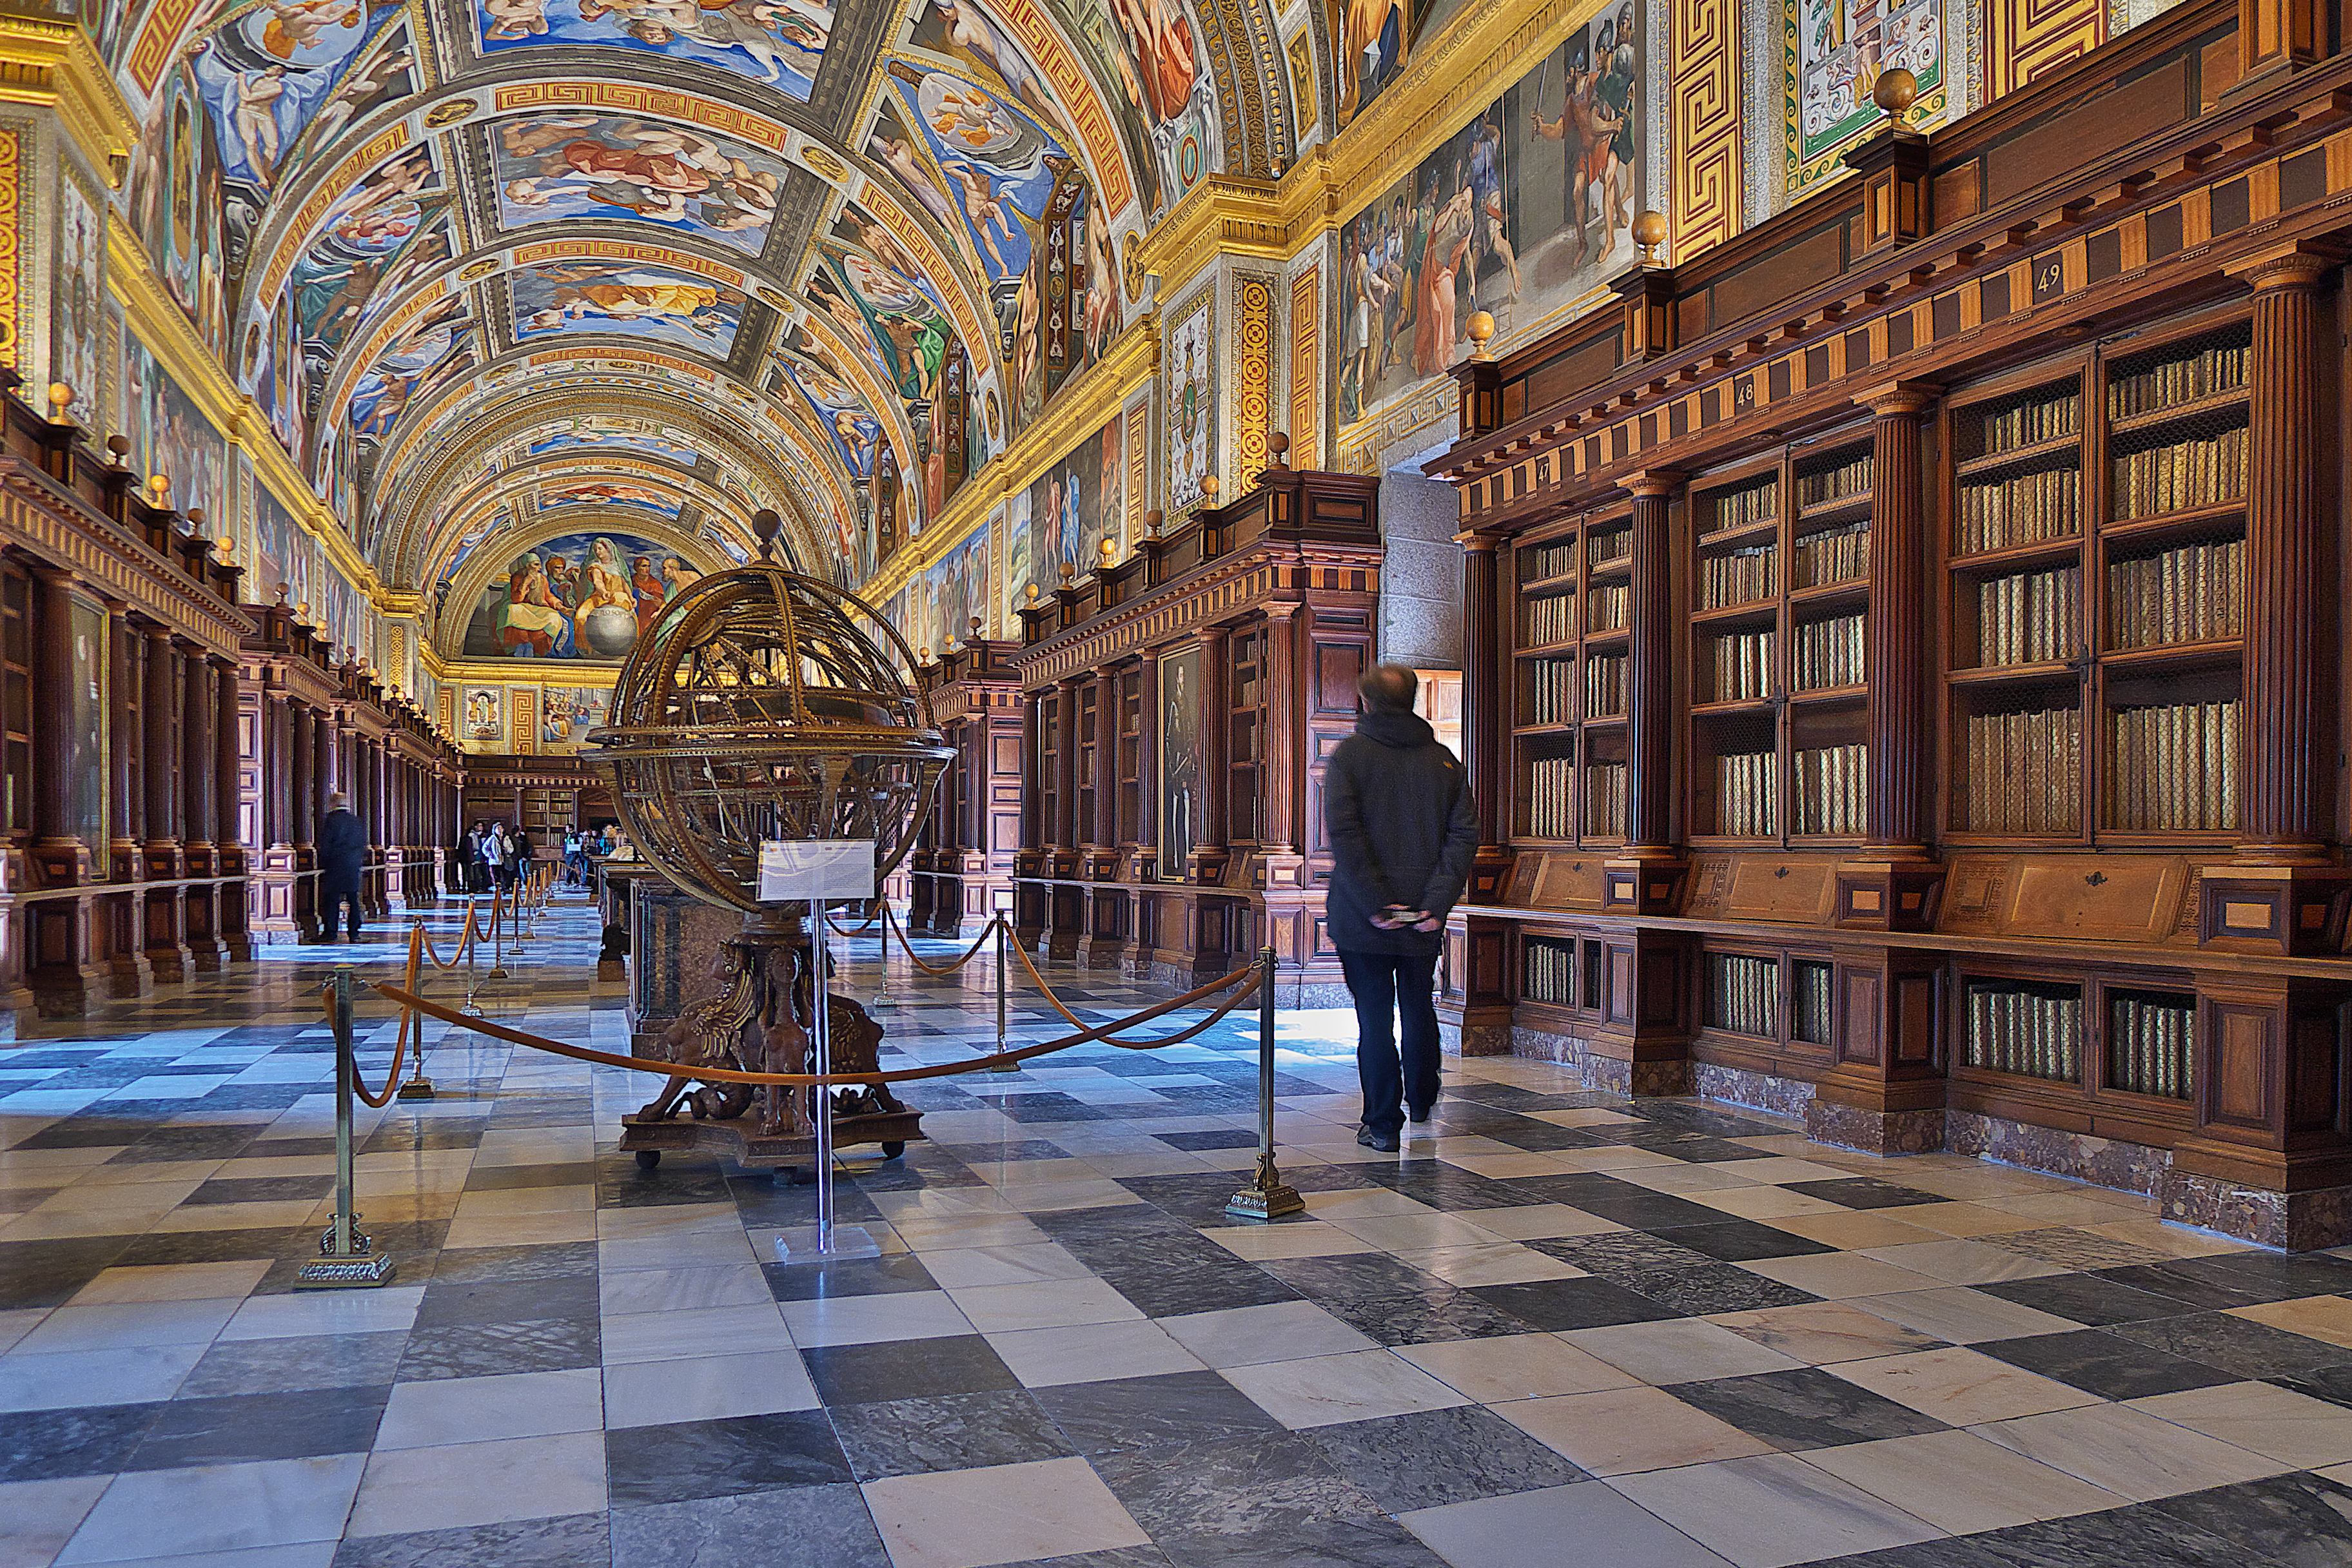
x=1560 y=1326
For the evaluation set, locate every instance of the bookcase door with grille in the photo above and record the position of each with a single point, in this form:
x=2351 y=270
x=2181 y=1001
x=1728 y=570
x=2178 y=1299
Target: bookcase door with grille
x=1780 y=576
x=2095 y=595
x=1571 y=585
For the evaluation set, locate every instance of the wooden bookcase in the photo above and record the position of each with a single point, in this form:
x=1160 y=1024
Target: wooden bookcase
x=1568 y=628
x=1779 y=575
x=2095 y=595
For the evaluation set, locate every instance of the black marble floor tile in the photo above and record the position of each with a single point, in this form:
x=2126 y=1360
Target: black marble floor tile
x=904 y=1369
x=89 y=1440
x=489 y=1350
x=1712 y=1288
x=721 y=1458
x=1233 y=1486
x=891 y=1274
x=2088 y=1298
x=1953 y=1551
x=1612 y=1253
x=1865 y=1193
x=1208 y=1139
x=2195 y=1291
x=450 y=1303
x=1116 y=1557
x=229 y=1429
x=1134 y=1414
x=2333 y=1383
x=1423 y=1317
x=823 y=1526
x=1541 y=1137
x=1557 y=1304
x=442 y=1132
x=2281 y=1277
x=2236 y=1344
x=549 y=1260
x=1192 y=1199
x=1744 y=1241
x=947 y=1432
x=313 y=1361
x=1445 y=1187
x=1432 y=1458
x=2283 y=1521
x=49 y=1273
x=571 y=1540
x=555 y=1173
x=2106 y=1365
x=1804 y=1407
x=1321 y=1543
x=2142 y=1537
x=1351 y=1273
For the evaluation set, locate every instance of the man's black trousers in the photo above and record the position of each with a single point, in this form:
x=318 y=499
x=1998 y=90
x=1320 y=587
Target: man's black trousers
x=1387 y=987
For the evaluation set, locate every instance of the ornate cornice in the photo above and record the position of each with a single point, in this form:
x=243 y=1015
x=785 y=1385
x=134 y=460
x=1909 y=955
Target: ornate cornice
x=53 y=64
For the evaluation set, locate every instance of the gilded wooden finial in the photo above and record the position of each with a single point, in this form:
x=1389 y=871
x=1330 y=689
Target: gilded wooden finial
x=1107 y=553
x=1210 y=486
x=1482 y=333
x=1033 y=593
x=1649 y=233
x=61 y=397
x=118 y=447
x=159 y=490
x=1896 y=92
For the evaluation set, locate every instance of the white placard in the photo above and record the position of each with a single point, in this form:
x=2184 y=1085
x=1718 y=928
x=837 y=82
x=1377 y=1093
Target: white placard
x=792 y=869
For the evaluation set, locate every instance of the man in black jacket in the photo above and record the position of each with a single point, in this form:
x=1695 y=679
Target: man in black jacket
x=342 y=854
x=1397 y=807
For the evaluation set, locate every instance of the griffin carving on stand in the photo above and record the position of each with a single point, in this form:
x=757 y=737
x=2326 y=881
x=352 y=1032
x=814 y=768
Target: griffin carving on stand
x=708 y=1034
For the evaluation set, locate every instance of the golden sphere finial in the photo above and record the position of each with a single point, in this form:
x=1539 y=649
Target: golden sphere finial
x=1482 y=333
x=1032 y=595
x=159 y=488
x=1649 y=232
x=1210 y=486
x=1895 y=91
x=60 y=396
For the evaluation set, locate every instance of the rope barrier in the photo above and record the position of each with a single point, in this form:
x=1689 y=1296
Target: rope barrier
x=969 y=954
x=399 y=1053
x=1249 y=973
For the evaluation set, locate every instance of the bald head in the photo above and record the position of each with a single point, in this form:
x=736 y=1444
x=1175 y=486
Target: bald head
x=1389 y=688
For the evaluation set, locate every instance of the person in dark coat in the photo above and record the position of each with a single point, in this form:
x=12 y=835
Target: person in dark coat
x=1396 y=806
x=343 y=855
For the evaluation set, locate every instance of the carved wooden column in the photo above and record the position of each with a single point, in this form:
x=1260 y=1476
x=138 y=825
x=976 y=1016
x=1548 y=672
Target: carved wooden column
x=1890 y=884
x=1282 y=774
x=120 y=918
x=302 y=813
x=198 y=751
x=1648 y=879
x=61 y=941
x=1106 y=904
x=1066 y=921
x=1032 y=859
x=2280 y=894
x=322 y=771
x=1209 y=853
x=228 y=847
x=1475 y=994
x=159 y=718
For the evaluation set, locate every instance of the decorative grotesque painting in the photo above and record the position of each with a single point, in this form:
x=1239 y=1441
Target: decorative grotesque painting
x=1836 y=52
x=583 y=595
x=1523 y=212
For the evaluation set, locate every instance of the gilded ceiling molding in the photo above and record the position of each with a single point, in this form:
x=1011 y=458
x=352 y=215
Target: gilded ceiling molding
x=53 y=66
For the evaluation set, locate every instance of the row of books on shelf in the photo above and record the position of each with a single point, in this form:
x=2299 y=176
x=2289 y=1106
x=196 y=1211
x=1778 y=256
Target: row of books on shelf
x=1833 y=555
x=1808 y=1000
x=1604 y=685
x=2024 y=508
x=1552 y=691
x=2206 y=375
x=1550 y=619
x=1738 y=577
x=2029 y=618
x=1540 y=561
x=2175 y=767
x=1609 y=607
x=1548 y=973
x=1551 y=798
x=1834 y=652
x=2206 y=471
x=2030 y=424
x=1743 y=993
x=2151 y=1045
x=1833 y=788
x=2025 y=772
x=1851 y=477
x=1610 y=548
x=1747 y=795
x=1739 y=508
x=1739 y=666
x=2193 y=594
x=2029 y=1030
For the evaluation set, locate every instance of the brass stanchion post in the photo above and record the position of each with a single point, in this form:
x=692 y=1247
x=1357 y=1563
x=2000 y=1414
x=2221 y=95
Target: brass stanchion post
x=418 y=1086
x=1001 y=1066
x=344 y=1258
x=1267 y=1196
x=497 y=942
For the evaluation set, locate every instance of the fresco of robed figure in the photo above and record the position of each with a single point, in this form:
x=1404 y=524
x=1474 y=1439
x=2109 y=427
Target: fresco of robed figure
x=580 y=597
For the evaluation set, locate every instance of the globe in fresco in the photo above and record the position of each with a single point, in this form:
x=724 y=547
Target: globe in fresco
x=755 y=708
x=610 y=630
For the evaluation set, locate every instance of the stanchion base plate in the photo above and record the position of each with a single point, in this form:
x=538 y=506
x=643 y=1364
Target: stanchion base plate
x=1272 y=1204
x=800 y=1243
x=415 y=1088
x=344 y=1273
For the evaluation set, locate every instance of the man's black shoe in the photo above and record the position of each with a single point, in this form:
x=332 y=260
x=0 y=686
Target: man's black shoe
x=1418 y=1114
x=1386 y=1143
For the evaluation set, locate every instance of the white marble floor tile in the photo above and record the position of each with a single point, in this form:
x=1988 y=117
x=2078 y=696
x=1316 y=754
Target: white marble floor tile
x=218 y=1508
x=706 y=1388
x=410 y=1489
x=484 y=1409
x=1959 y=1482
x=2264 y=1419
x=1515 y=1366
x=1606 y=1526
x=2129 y=1452
x=1091 y=1352
x=866 y=1319
x=1360 y=1385
x=1004 y=1513
x=1279 y=1330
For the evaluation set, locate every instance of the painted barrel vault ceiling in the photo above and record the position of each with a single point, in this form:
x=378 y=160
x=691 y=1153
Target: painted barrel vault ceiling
x=697 y=256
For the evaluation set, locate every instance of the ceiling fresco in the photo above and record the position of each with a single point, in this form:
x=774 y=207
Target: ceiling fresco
x=462 y=252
